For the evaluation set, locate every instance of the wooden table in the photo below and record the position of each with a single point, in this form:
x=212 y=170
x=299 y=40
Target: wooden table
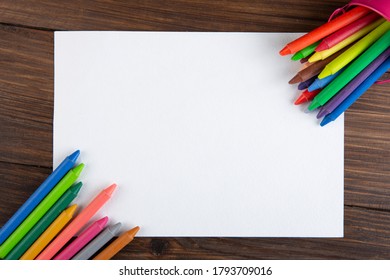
x=26 y=117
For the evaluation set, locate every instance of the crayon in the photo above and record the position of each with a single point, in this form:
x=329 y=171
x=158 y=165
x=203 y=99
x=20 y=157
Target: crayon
x=40 y=210
x=351 y=71
x=83 y=239
x=38 y=195
x=98 y=242
x=306 y=96
x=305 y=52
x=305 y=84
x=312 y=70
x=77 y=223
x=117 y=245
x=44 y=223
x=324 y=30
x=321 y=83
x=362 y=88
x=350 y=87
x=346 y=32
x=49 y=233
x=354 y=51
x=324 y=54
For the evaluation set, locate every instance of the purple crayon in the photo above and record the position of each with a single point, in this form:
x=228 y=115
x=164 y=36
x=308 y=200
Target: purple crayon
x=307 y=83
x=349 y=88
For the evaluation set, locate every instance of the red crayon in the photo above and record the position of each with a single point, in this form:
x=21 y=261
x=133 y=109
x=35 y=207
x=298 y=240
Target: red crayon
x=307 y=96
x=346 y=31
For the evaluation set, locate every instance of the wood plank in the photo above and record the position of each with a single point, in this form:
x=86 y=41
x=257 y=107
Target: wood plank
x=174 y=15
x=367 y=232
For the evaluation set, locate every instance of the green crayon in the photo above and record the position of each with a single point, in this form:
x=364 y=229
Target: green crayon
x=305 y=52
x=40 y=210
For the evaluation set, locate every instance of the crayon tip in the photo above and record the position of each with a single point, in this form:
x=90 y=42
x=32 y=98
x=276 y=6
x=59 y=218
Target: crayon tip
x=322 y=46
x=297 y=56
x=295 y=79
x=115 y=228
x=325 y=121
x=314 y=86
x=73 y=157
x=314 y=105
x=285 y=51
x=315 y=57
x=71 y=209
x=301 y=99
x=102 y=222
x=76 y=188
x=77 y=170
x=325 y=73
x=322 y=113
x=131 y=233
x=110 y=189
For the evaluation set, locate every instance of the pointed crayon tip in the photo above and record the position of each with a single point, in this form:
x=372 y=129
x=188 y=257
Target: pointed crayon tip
x=297 y=56
x=110 y=189
x=76 y=188
x=314 y=105
x=115 y=228
x=285 y=51
x=325 y=73
x=325 y=121
x=322 y=46
x=301 y=99
x=71 y=210
x=315 y=57
x=322 y=113
x=73 y=157
x=77 y=170
x=102 y=222
x=295 y=79
x=133 y=232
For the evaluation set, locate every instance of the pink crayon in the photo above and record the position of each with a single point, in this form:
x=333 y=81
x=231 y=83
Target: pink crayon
x=82 y=240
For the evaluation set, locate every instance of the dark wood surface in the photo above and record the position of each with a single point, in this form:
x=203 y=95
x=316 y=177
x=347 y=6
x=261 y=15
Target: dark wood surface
x=26 y=115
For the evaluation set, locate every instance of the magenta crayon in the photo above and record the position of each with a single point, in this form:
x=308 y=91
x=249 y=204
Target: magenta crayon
x=82 y=240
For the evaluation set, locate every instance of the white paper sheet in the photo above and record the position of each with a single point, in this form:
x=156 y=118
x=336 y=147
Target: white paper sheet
x=199 y=132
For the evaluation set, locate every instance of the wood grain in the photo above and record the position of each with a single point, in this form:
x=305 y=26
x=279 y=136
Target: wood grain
x=26 y=115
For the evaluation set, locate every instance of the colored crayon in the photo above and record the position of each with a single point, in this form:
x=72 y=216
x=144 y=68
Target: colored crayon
x=351 y=71
x=306 y=96
x=362 y=88
x=51 y=232
x=83 y=239
x=354 y=51
x=98 y=242
x=305 y=84
x=324 y=30
x=350 y=87
x=117 y=245
x=324 y=54
x=38 y=195
x=40 y=210
x=305 y=52
x=78 y=222
x=312 y=70
x=321 y=83
x=44 y=223
x=346 y=32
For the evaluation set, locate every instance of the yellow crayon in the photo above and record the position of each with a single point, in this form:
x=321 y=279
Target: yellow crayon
x=357 y=35
x=49 y=233
x=354 y=51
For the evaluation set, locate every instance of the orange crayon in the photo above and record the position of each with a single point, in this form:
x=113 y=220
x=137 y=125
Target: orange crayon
x=117 y=245
x=78 y=222
x=324 y=30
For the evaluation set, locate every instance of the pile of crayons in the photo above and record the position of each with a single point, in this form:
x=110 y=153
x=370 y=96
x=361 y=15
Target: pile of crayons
x=43 y=226
x=342 y=59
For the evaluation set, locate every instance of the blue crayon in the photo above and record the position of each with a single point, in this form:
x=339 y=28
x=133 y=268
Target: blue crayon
x=356 y=93
x=321 y=83
x=306 y=84
x=38 y=195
